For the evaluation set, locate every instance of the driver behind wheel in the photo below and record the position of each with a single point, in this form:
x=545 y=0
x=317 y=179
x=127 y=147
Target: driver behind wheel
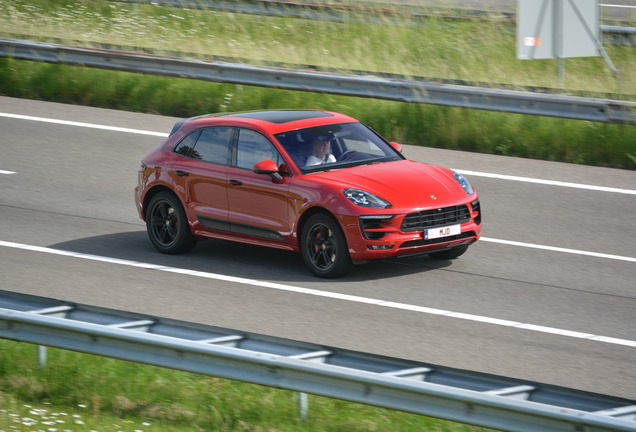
x=321 y=152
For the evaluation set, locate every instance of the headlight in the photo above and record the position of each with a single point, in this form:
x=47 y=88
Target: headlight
x=464 y=183
x=365 y=199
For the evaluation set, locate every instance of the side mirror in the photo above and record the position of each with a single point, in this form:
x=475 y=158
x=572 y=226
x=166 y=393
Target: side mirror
x=268 y=167
x=396 y=146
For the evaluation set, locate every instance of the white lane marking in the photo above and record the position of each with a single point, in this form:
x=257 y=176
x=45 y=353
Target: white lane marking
x=467 y=172
x=86 y=125
x=7 y=172
x=327 y=294
x=559 y=249
x=548 y=182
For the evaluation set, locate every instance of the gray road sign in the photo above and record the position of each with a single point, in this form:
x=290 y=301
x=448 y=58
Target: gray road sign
x=558 y=29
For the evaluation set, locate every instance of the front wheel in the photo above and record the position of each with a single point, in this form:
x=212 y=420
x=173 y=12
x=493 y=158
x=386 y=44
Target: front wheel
x=324 y=247
x=451 y=253
x=167 y=224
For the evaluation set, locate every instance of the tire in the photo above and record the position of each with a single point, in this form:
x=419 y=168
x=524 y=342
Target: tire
x=167 y=224
x=451 y=253
x=324 y=247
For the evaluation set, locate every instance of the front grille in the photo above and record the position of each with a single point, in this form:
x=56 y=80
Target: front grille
x=422 y=220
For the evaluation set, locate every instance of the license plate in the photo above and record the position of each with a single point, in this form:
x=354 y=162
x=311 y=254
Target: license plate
x=446 y=231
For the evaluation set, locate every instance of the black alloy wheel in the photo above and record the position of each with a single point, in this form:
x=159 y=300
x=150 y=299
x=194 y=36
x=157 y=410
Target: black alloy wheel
x=167 y=224
x=324 y=247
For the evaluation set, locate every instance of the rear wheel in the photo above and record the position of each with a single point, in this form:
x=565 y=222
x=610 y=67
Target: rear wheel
x=451 y=253
x=167 y=224
x=324 y=247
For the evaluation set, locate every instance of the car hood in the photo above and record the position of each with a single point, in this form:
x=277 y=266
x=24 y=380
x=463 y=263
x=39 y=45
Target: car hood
x=405 y=183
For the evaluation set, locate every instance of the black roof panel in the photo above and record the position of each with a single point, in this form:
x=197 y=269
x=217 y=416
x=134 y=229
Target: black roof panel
x=281 y=116
x=273 y=116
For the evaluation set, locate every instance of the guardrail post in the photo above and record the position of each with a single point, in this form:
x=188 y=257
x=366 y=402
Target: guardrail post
x=41 y=356
x=303 y=406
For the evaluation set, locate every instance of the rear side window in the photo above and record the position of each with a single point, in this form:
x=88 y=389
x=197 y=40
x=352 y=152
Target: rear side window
x=209 y=145
x=214 y=144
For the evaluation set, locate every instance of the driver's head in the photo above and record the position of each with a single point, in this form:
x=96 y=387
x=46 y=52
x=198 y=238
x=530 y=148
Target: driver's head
x=321 y=147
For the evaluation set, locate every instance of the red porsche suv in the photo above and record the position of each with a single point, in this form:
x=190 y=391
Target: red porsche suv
x=316 y=182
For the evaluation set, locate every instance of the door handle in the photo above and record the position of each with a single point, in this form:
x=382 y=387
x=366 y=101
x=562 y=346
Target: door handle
x=236 y=183
x=182 y=173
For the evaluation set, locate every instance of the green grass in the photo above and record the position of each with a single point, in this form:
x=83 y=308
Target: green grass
x=474 y=51
x=471 y=51
x=80 y=392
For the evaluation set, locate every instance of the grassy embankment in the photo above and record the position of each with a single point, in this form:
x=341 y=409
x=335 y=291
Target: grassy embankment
x=471 y=51
x=79 y=392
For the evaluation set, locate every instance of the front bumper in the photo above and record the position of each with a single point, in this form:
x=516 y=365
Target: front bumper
x=383 y=236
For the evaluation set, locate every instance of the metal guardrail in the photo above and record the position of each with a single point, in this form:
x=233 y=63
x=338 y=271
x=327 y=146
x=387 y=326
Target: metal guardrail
x=435 y=391
x=580 y=108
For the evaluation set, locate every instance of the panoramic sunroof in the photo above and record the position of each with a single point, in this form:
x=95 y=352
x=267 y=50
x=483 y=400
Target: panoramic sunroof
x=282 y=116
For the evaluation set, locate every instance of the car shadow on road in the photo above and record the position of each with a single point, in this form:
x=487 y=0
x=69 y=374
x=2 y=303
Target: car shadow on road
x=240 y=260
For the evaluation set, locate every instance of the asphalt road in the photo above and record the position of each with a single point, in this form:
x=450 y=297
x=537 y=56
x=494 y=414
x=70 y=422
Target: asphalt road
x=70 y=187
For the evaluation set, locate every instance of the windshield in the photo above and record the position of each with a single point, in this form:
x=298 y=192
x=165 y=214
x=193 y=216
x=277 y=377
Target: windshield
x=336 y=146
